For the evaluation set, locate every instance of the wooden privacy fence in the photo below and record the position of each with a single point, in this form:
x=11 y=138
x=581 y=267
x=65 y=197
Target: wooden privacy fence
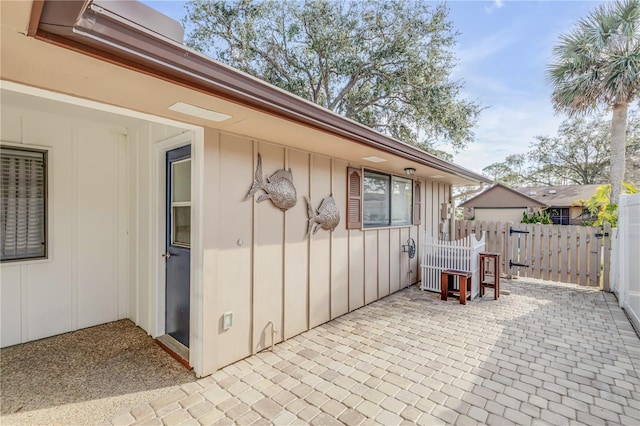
x=439 y=255
x=570 y=254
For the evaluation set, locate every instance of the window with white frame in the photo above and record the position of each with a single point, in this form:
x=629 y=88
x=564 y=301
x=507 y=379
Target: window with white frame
x=23 y=203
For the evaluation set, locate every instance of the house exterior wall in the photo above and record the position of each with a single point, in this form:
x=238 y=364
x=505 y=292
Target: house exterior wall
x=83 y=282
x=576 y=215
x=260 y=264
x=499 y=215
x=437 y=193
x=501 y=197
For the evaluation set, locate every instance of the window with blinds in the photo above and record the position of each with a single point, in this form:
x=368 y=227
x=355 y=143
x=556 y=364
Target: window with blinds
x=23 y=203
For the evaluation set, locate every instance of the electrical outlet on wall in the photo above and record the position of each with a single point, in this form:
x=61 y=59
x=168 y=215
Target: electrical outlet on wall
x=227 y=320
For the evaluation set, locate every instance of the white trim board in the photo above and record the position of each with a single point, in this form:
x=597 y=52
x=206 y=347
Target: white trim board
x=196 y=140
x=86 y=103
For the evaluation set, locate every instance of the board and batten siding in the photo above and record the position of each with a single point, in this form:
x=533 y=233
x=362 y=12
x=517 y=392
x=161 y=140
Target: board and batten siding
x=259 y=263
x=269 y=270
x=84 y=280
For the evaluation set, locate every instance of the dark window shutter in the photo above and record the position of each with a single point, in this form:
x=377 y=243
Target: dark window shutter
x=354 y=198
x=417 y=202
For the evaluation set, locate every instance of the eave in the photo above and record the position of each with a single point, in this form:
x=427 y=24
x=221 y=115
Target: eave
x=92 y=29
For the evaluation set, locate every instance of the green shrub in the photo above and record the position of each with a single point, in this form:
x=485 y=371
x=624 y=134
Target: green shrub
x=600 y=204
x=542 y=217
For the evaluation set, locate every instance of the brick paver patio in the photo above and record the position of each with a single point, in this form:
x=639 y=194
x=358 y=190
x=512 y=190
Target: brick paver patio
x=545 y=354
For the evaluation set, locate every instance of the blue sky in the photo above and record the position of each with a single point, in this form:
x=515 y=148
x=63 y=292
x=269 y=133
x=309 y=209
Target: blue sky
x=503 y=50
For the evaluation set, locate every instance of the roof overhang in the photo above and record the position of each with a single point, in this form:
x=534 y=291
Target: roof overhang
x=105 y=30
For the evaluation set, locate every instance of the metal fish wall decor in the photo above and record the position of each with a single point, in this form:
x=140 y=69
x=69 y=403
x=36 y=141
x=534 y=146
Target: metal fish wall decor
x=327 y=216
x=278 y=188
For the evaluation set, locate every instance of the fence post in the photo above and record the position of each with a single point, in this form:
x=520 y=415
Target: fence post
x=506 y=248
x=606 y=253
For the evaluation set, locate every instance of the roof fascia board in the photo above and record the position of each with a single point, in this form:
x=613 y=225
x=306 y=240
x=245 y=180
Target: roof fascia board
x=143 y=50
x=36 y=13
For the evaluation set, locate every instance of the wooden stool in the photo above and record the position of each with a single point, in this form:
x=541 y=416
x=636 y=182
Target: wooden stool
x=484 y=281
x=447 y=277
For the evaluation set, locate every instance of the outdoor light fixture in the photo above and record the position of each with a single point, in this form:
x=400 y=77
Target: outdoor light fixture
x=410 y=171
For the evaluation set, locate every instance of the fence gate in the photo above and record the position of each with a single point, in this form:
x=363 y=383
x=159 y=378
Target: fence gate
x=569 y=254
x=564 y=253
x=518 y=255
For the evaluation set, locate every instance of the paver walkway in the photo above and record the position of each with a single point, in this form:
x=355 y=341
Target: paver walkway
x=545 y=354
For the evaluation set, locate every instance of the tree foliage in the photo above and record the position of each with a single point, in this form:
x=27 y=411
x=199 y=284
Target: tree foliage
x=579 y=154
x=600 y=203
x=383 y=63
x=510 y=172
x=596 y=64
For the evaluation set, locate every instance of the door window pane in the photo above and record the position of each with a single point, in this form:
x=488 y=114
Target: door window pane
x=181 y=220
x=181 y=185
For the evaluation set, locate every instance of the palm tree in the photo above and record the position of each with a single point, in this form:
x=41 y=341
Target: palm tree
x=598 y=64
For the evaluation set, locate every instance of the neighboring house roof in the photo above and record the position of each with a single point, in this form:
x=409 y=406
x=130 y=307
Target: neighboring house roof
x=127 y=34
x=501 y=196
x=559 y=196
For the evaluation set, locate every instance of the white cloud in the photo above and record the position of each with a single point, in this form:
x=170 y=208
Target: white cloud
x=497 y=4
x=490 y=45
x=508 y=129
x=483 y=49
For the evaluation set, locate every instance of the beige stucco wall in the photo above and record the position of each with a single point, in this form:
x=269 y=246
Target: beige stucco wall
x=500 y=197
x=575 y=215
x=499 y=215
x=260 y=264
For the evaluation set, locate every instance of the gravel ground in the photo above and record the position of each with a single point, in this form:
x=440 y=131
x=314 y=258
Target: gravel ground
x=85 y=377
